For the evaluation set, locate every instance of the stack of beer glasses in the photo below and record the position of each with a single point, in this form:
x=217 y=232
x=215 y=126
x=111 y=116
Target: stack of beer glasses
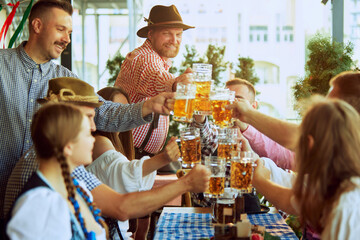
x=219 y=99
x=227 y=143
x=202 y=79
x=190 y=147
x=184 y=102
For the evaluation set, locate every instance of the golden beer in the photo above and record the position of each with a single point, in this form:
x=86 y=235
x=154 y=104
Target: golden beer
x=183 y=109
x=216 y=186
x=221 y=115
x=224 y=150
x=241 y=175
x=202 y=103
x=190 y=150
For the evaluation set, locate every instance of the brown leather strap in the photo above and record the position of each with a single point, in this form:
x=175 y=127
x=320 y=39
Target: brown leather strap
x=153 y=126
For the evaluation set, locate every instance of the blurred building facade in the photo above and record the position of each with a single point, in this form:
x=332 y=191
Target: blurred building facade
x=271 y=32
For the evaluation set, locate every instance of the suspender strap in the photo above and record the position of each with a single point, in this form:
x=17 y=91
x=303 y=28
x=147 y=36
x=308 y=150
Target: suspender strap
x=153 y=126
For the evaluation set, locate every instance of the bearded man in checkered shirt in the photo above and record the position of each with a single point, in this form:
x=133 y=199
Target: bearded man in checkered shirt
x=145 y=72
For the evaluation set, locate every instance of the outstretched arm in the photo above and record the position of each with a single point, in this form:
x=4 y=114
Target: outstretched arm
x=162 y=103
x=137 y=204
x=277 y=195
x=285 y=133
x=170 y=153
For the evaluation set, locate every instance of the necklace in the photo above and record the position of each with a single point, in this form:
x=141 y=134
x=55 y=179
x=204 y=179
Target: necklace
x=89 y=235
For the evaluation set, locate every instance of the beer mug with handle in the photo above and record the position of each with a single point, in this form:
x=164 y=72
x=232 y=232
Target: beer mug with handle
x=242 y=169
x=190 y=147
x=184 y=102
x=202 y=79
x=219 y=99
x=216 y=166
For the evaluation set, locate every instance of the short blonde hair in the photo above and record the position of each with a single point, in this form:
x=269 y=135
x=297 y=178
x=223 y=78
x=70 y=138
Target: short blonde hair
x=239 y=81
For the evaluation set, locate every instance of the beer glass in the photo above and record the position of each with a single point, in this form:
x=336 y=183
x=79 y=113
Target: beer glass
x=225 y=209
x=190 y=147
x=242 y=168
x=217 y=180
x=227 y=142
x=202 y=74
x=184 y=102
x=219 y=99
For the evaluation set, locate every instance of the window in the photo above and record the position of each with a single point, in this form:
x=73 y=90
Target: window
x=239 y=27
x=267 y=72
x=288 y=32
x=260 y=32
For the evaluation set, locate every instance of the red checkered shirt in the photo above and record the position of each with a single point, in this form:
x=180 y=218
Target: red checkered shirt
x=144 y=73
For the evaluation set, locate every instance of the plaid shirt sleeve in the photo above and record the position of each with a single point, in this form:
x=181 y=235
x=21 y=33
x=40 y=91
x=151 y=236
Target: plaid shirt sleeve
x=23 y=170
x=88 y=178
x=208 y=134
x=117 y=117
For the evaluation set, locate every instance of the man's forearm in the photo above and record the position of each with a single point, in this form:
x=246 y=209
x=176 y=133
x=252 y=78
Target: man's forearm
x=136 y=204
x=277 y=195
x=284 y=133
x=154 y=163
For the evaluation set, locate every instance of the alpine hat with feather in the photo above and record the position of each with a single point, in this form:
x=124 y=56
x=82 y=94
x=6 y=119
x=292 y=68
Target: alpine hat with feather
x=163 y=16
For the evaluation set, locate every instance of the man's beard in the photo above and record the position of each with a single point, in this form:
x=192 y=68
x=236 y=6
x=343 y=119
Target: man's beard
x=169 y=53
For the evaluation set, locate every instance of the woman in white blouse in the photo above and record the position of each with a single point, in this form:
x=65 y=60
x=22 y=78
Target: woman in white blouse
x=326 y=193
x=57 y=206
x=114 y=162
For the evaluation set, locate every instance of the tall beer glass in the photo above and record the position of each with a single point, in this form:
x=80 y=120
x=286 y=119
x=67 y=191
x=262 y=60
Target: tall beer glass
x=184 y=102
x=219 y=99
x=216 y=166
x=190 y=147
x=202 y=73
x=227 y=142
x=242 y=169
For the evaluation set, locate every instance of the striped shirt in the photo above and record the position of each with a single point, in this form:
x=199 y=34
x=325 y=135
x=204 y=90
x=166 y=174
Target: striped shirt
x=144 y=73
x=22 y=82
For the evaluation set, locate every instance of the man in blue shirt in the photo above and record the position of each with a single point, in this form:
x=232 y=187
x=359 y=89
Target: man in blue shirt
x=24 y=75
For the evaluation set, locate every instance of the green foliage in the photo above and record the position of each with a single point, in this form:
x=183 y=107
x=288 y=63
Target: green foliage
x=215 y=55
x=294 y=223
x=326 y=59
x=114 y=65
x=191 y=56
x=246 y=70
x=268 y=236
x=173 y=70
